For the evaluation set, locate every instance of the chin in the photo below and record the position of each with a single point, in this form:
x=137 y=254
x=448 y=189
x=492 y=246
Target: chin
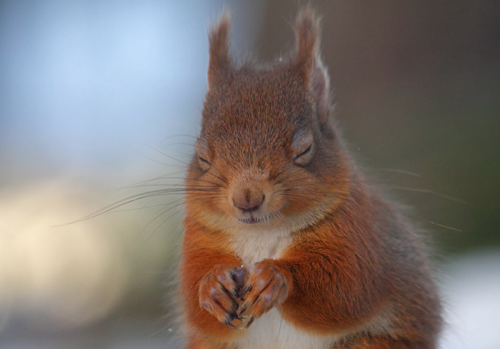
x=259 y=219
x=259 y=223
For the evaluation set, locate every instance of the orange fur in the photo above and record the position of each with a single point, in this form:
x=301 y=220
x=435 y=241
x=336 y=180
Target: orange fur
x=202 y=251
x=279 y=217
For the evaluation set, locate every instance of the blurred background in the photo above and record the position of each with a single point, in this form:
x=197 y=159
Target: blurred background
x=100 y=101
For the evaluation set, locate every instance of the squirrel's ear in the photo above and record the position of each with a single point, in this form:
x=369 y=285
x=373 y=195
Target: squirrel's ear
x=219 y=61
x=319 y=86
x=307 y=41
x=309 y=63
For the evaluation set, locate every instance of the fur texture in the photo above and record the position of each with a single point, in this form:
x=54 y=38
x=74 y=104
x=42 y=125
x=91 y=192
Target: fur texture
x=284 y=235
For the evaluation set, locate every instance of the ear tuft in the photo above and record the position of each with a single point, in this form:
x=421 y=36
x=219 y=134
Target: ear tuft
x=307 y=40
x=218 y=37
x=319 y=86
x=309 y=62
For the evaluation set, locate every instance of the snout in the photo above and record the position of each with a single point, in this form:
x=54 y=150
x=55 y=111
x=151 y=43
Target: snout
x=253 y=201
x=248 y=198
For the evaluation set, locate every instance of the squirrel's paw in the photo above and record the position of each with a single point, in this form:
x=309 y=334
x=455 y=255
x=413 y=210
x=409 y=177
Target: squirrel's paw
x=219 y=293
x=265 y=289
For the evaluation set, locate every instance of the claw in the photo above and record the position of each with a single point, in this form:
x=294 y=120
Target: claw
x=247 y=288
x=228 y=324
x=234 y=309
x=227 y=292
x=241 y=318
x=237 y=317
x=231 y=316
x=249 y=323
x=245 y=306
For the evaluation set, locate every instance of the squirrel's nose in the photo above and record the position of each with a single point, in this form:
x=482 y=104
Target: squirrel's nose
x=248 y=200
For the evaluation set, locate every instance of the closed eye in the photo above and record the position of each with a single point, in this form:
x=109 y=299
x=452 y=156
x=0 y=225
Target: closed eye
x=305 y=157
x=205 y=161
x=201 y=147
x=303 y=147
x=305 y=152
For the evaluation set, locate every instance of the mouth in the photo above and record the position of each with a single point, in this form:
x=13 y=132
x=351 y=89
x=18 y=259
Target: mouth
x=251 y=219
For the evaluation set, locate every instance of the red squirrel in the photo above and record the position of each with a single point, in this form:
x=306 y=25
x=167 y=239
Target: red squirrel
x=287 y=244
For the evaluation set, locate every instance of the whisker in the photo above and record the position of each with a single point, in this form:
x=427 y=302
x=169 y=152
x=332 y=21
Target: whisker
x=154 y=219
x=168 y=156
x=207 y=191
x=437 y=224
x=165 y=176
x=429 y=191
x=395 y=170
x=168 y=218
x=177 y=136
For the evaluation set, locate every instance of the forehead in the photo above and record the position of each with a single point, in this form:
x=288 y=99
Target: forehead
x=257 y=108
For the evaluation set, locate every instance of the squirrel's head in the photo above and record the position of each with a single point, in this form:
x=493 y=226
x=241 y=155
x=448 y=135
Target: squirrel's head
x=267 y=156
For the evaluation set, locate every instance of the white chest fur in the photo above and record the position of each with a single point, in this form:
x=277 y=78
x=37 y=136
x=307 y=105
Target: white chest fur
x=255 y=246
x=271 y=331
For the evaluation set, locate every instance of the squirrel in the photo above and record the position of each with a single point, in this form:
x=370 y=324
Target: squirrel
x=287 y=244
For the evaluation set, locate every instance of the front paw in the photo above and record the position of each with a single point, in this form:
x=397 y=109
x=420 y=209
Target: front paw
x=266 y=288
x=219 y=293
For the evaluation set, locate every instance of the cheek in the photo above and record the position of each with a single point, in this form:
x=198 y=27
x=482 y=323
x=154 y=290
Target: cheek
x=204 y=193
x=217 y=201
x=309 y=192
x=209 y=208
x=300 y=201
x=300 y=191
x=276 y=198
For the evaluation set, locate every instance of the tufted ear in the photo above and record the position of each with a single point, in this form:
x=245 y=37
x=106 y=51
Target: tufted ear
x=309 y=62
x=219 y=61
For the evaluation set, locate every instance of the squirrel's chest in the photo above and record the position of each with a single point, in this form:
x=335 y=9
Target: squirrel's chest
x=253 y=247
x=270 y=331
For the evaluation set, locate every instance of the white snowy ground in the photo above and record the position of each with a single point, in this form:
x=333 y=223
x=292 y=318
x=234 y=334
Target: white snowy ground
x=471 y=288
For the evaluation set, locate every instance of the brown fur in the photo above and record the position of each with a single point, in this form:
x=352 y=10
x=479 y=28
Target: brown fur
x=353 y=271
